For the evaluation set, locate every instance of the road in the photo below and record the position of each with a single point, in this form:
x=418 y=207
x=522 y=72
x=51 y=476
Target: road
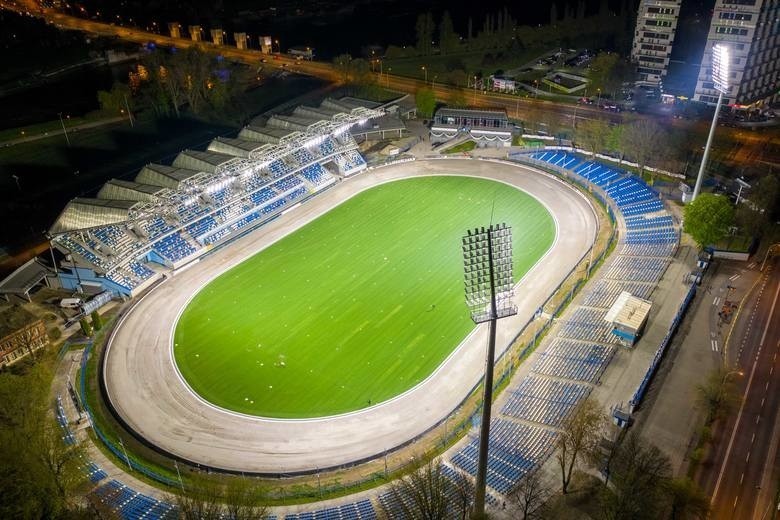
x=514 y=105
x=741 y=478
x=765 y=145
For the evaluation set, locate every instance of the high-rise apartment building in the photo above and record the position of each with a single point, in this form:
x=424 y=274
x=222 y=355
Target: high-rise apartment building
x=656 y=24
x=751 y=30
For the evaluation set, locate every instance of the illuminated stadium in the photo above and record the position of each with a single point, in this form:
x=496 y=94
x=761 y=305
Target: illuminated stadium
x=294 y=310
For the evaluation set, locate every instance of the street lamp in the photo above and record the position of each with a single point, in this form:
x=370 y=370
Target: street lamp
x=67 y=140
x=426 y=73
x=488 y=280
x=720 y=79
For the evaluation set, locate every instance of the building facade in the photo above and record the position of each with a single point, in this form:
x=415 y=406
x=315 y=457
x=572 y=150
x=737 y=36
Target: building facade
x=21 y=333
x=653 y=39
x=751 y=31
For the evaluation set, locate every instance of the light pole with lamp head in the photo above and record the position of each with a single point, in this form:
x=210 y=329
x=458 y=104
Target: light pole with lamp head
x=488 y=280
x=720 y=79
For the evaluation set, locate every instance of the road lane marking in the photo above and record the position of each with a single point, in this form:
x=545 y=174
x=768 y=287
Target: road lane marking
x=734 y=431
x=741 y=478
x=769 y=318
x=715 y=301
x=734 y=277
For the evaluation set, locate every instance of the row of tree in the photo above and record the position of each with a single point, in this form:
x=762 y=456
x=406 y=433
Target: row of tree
x=500 y=31
x=167 y=80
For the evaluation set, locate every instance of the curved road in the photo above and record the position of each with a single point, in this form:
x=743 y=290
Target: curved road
x=144 y=387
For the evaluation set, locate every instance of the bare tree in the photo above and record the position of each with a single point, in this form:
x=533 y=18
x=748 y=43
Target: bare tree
x=530 y=496
x=593 y=134
x=579 y=438
x=426 y=494
x=686 y=499
x=645 y=141
x=639 y=474
x=232 y=497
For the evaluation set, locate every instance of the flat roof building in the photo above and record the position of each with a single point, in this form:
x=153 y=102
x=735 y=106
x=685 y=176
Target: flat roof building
x=486 y=127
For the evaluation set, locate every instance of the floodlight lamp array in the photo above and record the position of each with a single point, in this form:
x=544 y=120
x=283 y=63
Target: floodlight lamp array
x=720 y=68
x=483 y=249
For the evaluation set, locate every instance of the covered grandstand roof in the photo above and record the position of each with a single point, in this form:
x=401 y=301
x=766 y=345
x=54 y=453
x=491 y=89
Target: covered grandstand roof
x=164 y=175
x=468 y=112
x=263 y=134
x=24 y=279
x=236 y=147
x=354 y=102
x=386 y=123
x=291 y=122
x=83 y=213
x=201 y=161
x=128 y=190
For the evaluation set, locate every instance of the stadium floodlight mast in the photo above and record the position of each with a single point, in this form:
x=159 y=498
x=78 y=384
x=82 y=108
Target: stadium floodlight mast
x=487 y=269
x=720 y=79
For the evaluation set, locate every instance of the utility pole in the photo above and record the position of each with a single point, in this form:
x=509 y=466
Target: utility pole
x=67 y=140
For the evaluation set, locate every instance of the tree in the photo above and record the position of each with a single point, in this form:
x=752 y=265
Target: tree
x=343 y=65
x=424 y=495
x=113 y=101
x=40 y=474
x=448 y=38
x=708 y=218
x=86 y=328
x=530 y=496
x=756 y=215
x=717 y=395
x=644 y=140
x=97 y=321
x=424 y=29
x=686 y=499
x=209 y=499
x=426 y=102
x=593 y=135
x=639 y=473
x=600 y=71
x=578 y=438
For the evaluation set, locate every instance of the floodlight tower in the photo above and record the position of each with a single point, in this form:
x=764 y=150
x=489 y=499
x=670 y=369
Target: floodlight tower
x=487 y=261
x=720 y=78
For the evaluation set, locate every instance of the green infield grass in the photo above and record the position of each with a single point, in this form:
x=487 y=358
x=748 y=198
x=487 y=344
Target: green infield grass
x=354 y=308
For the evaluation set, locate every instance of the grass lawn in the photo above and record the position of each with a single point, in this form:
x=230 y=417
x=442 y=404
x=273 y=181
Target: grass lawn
x=470 y=62
x=361 y=304
x=465 y=146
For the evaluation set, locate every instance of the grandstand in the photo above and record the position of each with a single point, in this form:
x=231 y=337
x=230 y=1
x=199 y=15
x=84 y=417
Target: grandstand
x=132 y=232
x=523 y=433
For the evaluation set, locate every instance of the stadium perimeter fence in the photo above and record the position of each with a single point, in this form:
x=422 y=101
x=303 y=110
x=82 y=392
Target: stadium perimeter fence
x=452 y=432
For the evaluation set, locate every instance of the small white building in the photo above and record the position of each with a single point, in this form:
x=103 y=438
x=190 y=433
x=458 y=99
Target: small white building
x=503 y=84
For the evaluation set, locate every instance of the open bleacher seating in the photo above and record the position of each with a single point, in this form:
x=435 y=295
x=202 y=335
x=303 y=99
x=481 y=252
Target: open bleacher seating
x=287 y=184
x=174 y=247
x=515 y=449
x=569 y=359
x=360 y=510
x=62 y=420
x=316 y=174
x=303 y=156
x=603 y=293
x=131 y=505
x=545 y=401
x=277 y=168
